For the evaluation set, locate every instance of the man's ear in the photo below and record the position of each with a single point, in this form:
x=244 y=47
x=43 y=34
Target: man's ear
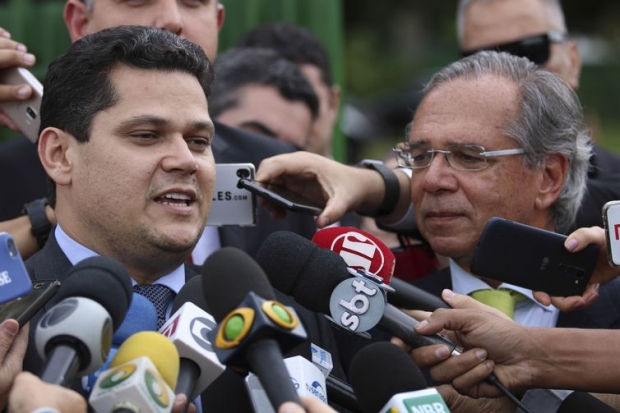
x=334 y=98
x=76 y=19
x=221 y=15
x=56 y=153
x=552 y=180
x=574 y=69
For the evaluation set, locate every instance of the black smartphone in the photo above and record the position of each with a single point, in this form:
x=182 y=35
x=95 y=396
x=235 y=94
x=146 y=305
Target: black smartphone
x=22 y=309
x=532 y=258
x=282 y=196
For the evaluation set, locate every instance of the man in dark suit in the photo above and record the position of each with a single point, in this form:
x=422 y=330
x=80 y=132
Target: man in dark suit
x=133 y=167
x=201 y=25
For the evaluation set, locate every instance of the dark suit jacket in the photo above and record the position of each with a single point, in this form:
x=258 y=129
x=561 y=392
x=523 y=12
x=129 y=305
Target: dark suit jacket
x=604 y=313
x=228 y=392
x=24 y=180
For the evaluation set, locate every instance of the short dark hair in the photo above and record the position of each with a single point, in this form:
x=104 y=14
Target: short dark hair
x=241 y=67
x=295 y=43
x=77 y=85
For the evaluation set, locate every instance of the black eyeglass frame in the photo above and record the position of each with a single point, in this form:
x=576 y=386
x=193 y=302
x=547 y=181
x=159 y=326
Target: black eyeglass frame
x=536 y=48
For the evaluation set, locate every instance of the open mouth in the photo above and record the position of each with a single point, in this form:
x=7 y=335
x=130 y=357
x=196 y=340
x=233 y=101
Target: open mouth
x=175 y=199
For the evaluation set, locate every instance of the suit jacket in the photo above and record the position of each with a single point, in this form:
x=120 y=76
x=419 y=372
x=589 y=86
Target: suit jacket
x=228 y=392
x=604 y=313
x=19 y=161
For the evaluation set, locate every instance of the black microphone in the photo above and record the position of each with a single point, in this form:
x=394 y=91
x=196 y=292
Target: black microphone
x=314 y=277
x=384 y=377
x=254 y=329
x=579 y=401
x=411 y=297
x=187 y=328
x=75 y=335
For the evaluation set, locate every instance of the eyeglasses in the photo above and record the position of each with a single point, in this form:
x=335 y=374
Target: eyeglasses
x=461 y=157
x=536 y=48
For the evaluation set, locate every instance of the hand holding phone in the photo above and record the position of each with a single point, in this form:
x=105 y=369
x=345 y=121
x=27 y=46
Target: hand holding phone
x=24 y=113
x=532 y=258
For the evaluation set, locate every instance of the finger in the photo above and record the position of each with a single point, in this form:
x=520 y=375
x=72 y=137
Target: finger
x=453 y=367
x=14 y=358
x=15 y=57
x=418 y=314
x=8 y=44
x=8 y=331
x=460 y=301
x=290 y=407
x=542 y=297
x=472 y=383
x=429 y=356
x=15 y=92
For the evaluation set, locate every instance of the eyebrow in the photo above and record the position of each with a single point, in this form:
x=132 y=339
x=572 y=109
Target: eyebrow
x=160 y=122
x=259 y=126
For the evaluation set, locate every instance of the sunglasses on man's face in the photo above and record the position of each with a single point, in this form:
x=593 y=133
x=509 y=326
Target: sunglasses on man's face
x=536 y=48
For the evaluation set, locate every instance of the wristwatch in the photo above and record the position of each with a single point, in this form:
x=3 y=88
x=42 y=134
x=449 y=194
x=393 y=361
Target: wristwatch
x=392 y=187
x=41 y=226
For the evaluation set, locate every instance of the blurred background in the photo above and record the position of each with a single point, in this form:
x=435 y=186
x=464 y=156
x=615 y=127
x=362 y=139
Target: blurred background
x=382 y=53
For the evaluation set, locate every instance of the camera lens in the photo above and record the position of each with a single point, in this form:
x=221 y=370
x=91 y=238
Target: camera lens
x=31 y=112
x=243 y=173
x=12 y=248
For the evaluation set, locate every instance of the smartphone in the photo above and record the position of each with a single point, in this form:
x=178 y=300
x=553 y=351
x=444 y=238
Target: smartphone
x=611 y=220
x=14 y=279
x=532 y=258
x=282 y=196
x=232 y=205
x=22 y=309
x=25 y=113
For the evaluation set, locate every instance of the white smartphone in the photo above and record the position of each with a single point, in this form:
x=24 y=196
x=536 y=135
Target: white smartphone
x=611 y=219
x=232 y=205
x=25 y=113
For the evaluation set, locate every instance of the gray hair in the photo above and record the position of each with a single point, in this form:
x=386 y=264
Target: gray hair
x=554 y=10
x=550 y=121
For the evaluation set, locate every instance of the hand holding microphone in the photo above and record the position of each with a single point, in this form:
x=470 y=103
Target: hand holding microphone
x=30 y=394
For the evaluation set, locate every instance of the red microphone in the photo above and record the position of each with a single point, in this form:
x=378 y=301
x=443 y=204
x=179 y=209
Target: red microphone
x=359 y=249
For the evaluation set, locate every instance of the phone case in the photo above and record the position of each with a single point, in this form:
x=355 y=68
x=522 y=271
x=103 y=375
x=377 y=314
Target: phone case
x=279 y=195
x=24 y=113
x=14 y=279
x=22 y=309
x=611 y=219
x=532 y=258
x=232 y=205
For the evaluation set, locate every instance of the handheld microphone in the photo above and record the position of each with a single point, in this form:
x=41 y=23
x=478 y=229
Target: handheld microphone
x=75 y=335
x=141 y=316
x=187 y=328
x=254 y=329
x=140 y=378
x=360 y=249
x=319 y=280
x=385 y=378
x=579 y=401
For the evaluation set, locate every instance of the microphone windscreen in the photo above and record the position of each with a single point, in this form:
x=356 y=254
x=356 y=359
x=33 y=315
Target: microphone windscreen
x=299 y=268
x=157 y=348
x=228 y=275
x=191 y=292
x=103 y=280
x=579 y=401
x=359 y=249
x=381 y=370
x=141 y=316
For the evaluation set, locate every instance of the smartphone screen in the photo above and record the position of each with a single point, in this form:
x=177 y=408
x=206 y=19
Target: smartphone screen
x=282 y=196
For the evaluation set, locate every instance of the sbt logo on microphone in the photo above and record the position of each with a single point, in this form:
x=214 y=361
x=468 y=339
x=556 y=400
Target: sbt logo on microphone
x=357 y=304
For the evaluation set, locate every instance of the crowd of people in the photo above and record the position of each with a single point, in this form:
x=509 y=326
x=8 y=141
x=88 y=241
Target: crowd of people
x=139 y=110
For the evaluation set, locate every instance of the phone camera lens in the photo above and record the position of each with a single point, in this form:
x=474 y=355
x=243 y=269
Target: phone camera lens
x=243 y=173
x=31 y=113
x=12 y=248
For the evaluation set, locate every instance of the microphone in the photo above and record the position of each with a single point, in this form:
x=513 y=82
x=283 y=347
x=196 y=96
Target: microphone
x=141 y=316
x=319 y=280
x=385 y=378
x=363 y=250
x=75 y=335
x=359 y=249
x=307 y=379
x=187 y=328
x=140 y=378
x=254 y=329
x=579 y=401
